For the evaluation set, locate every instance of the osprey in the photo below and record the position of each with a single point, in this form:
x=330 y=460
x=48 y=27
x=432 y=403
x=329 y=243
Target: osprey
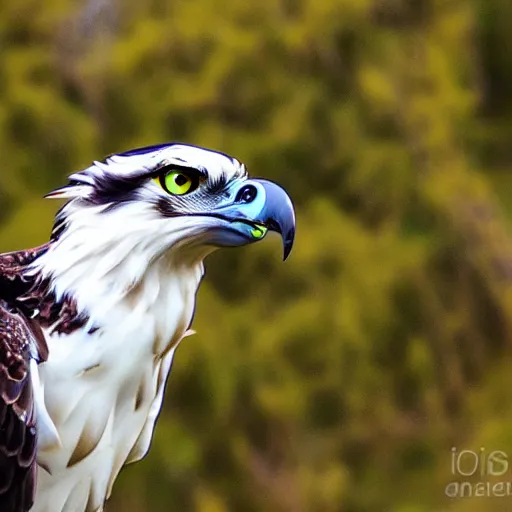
x=90 y=321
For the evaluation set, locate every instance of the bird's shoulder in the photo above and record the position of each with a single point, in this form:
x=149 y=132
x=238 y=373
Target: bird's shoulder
x=14 y=280
x=32 y=294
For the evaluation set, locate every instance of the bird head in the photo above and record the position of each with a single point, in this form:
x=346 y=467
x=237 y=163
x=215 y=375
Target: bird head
x=172 y=196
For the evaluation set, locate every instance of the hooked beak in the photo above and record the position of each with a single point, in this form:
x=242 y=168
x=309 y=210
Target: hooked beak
x=258 y=206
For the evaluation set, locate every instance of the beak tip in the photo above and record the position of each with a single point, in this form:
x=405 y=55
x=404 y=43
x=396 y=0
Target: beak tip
x=288 y=243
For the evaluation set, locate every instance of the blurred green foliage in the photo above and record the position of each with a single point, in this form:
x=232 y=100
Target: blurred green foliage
x=340 y=380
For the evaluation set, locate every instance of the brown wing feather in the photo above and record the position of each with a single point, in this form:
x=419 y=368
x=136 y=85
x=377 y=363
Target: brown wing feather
x=20 y=340
x=17 y=420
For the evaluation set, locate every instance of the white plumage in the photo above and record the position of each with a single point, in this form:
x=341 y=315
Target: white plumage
x=104 y=391
x=130 y=255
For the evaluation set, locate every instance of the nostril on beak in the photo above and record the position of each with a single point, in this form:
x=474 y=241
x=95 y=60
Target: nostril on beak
x=247 y=194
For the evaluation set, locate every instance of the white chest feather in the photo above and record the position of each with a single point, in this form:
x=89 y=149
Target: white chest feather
x=103 y=389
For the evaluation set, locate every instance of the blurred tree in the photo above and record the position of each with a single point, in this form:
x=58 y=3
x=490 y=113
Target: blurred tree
x=388 y=121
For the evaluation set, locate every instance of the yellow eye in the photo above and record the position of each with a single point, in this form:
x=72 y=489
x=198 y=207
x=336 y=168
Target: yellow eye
x=177 y=183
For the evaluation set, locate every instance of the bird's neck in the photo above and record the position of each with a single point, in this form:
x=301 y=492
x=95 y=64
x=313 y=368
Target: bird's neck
x=110 y=278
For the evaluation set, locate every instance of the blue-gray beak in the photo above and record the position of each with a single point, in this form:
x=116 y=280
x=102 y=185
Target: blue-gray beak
x=255 y=207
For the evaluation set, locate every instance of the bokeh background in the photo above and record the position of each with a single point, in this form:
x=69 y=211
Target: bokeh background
x=340 y=380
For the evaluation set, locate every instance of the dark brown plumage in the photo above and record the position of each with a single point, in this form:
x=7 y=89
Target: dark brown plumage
x=18 y=337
